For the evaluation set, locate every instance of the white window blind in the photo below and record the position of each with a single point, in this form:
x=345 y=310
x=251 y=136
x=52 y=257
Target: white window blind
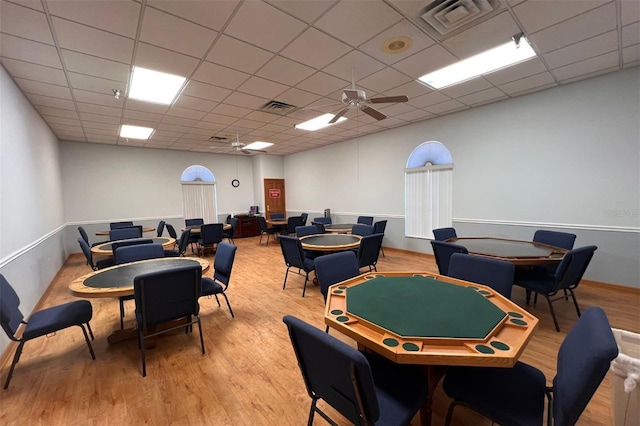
x=428 y=199
x=199 y=200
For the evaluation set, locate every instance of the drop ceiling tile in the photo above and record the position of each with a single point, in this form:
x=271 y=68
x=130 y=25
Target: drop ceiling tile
x=248 y=124
x=85 y=116
x=191 y=102
x=172 y=128
x=56 y=112
x=261 y=87
x=37 y=88
x=589 y=24
x=95 y=84
x=354 y=22
x=482 y=97
x=394 y=110
x=322 y=84
x=61 y=120
x=101 y=138
x=326 y=49
x=264 y=26
x=231 y=110
x=411 y=89
x=631 y=34
x=163 y=60
x=219 y=75
x=191 y=114
x=583 y=50
x=543 y=79
x=631 y=54
x=206 y=91
x=429 y=99
x=51 y=102
x=524 y=69
x=587 y=67
x=218 y=118
x=72 y=137
x=629 y=11
x=90 y=65
x=147 y=106
x=99 y=109
x=416 y=115
x=29 y=51
x=170 y=32
x=36 y=72
x=98 y=98
x=83 y=39
x=271 y=127
x=404 y=28
x=179 y=121
x=390 y=122
x=140 y=115
x=297 y=97
x=96 y=127
x=212 y=127
x=484 y=36
x=119 y=17
x=355 y=63
x=238 y=55
x=474 y=85
x=383 y=80
x=536 y=15
x=23 y=22
x=285 y=71
x=211 y=14
x=430 y=59
x=65 y=128
x=263 y=117
x=308 y=10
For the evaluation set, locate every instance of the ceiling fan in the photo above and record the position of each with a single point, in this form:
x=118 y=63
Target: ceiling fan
x=355 y=98
x=235 y=143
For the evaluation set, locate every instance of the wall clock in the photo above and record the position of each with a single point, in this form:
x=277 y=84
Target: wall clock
x=235 y=183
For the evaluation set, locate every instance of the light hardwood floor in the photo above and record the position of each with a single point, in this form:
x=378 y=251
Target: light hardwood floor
x=249 y=374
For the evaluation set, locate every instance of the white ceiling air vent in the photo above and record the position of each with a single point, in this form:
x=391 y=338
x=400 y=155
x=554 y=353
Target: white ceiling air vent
x=444 y=18
x=277 y=107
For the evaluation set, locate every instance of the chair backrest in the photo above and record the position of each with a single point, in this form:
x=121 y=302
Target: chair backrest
x=183 y=243
x=302 y=231
x=10 y=315
x=194 y=221
x=442 y=251
x=125 y=233
x=83 y=234
x=304 y=217
x=334 y=371
x=293 y=222
x=323 y=220
x=160 y=228
x=166 y=295
x=133 y=242
x=573 y=265
x=379 y=227
x=369 y=250
x=334 y=268
x=367 y=220
x=211 y=233
x=234 y=225
x=319 y=227
x=277 y=215
x=172 y=231
x=292 y=251
x=133 y=253
x=84 y=246
x=442 y=234
x=362 y=229
x=117 y=225
x=262 y=223
x=583 y=361
x=223 y=263
x=563 y=240
x=494 y=273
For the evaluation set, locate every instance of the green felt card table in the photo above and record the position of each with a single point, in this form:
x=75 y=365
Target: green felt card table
x=429 y=320
x=520 y=253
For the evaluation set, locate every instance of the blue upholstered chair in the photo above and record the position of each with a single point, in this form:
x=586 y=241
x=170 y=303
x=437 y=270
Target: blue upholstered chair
x=494 y=273
x=442 y=234
x=303 y=231
x=41 y=323
x=565 y=279
x=323 y=220
x=369 y=251
x=228 y=234
x=516 y=396
x=100 y=264
x=171 y=230
x=379 y=228
x=183 y=244
x=223 y=264
x=304 y=217
x=319 y=227
x=125 y=233
x=210 y=236
x=294 y=257
x=364 y=387
x=165 y=296
x=265 y=230
x=292 y=223
x=194 y=221
x=85 y=237
x=160 y=228
x=117 y=225
x=362 y=229
x=367 y=220
x=442 y=251
x=276 y=216
x=563 y=240
x=334 y=268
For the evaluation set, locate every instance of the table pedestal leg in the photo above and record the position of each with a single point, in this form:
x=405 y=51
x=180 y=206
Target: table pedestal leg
x=433 y=374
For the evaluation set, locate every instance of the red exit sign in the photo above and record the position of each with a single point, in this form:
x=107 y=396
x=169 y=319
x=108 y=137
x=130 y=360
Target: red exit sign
x=274 y=193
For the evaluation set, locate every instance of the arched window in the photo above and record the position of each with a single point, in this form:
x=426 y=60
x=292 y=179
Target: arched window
x=428 y=189
x=199 y=194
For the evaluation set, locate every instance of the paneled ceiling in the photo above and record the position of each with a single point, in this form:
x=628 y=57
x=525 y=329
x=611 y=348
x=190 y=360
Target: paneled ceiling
x=238 y=55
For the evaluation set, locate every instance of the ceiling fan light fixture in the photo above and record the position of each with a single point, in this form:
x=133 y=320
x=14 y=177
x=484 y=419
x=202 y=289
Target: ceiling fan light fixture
x=318 y=122
x=513 y=52
x=396 y=45
x=154 y=86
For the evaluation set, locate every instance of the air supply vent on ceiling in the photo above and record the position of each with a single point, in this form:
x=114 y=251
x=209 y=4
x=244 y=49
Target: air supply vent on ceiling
x=220 y=138
x=277 y=107
x=444 y=18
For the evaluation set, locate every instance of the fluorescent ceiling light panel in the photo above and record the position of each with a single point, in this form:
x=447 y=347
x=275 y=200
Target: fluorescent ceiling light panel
x=319 y=122
x=154 y=86
x=483 y=63
x=258 y=145
x=135 y=132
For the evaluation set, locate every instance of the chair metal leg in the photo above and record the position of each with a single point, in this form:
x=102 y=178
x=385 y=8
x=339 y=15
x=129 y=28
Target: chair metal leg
x=228 y=305
x=142 y=353
x=382 y=251
x=447 y=421
x=285 y=278
x=16 y=358
x=553 y=312
x=527 y=295
x=216 y=296
x=86 y=337
x=200 y=330
x=304 y=288
x=575 y=302
x=121 y=313
x=90 y=331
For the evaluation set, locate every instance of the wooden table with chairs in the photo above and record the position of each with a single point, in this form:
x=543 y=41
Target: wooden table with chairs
x=195 y=229
x=338 y=228
x=330 y=242
x=429 y=320
x=106 y=249
x=143 y=230
x=518 y=252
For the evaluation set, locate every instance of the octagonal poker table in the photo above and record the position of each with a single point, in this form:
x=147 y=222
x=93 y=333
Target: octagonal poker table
x=518 y=252
x=429 y=320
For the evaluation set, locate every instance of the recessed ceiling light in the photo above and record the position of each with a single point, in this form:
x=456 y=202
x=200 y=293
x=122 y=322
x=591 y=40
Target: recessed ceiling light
x=154 y=86
x=135 y=132
x=318 y=122
x=396 y=45
x=258 y=145
x=492 y=60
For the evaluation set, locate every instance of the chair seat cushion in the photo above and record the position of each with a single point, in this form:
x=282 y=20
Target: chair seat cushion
x=509 y=396
x=105 y=263
x=535 y=280
x=210 y=287
x=57 y=318
x=171 y=253
x=309 y=265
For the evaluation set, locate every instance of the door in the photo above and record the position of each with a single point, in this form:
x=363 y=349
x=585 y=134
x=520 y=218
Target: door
x=274 y=197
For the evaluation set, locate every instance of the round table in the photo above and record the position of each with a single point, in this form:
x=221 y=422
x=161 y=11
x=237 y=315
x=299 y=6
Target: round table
x=107 y=232
x=330 y=242
x=106 y=249
x=195 y=229
x=339 y=228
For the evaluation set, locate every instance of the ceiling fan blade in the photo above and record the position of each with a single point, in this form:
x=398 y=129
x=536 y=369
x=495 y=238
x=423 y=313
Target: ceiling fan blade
x=352 y=95
x=320 y=106
x=389 y=99
x=373 y=113
x=338 y=115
